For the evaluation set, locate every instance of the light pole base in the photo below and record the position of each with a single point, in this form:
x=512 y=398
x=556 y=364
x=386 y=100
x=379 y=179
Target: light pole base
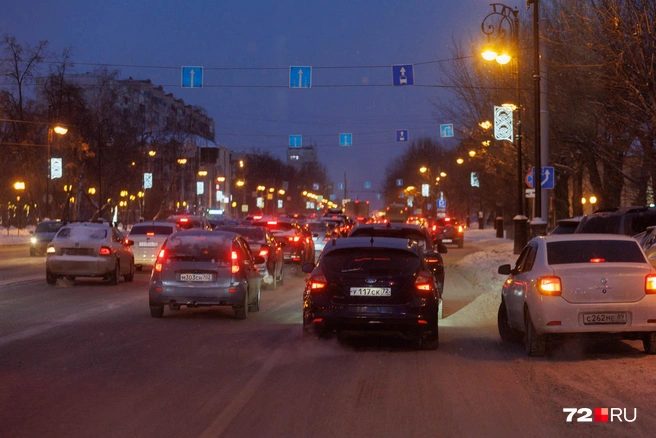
x=499 y=226
x=520 y=224
x=538 y=227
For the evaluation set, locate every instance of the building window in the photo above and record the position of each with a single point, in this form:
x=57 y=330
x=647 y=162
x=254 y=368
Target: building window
x=294 y=157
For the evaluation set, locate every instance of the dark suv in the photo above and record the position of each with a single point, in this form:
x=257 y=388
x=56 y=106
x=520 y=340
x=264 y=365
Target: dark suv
x=621 y=220
x=296 y=240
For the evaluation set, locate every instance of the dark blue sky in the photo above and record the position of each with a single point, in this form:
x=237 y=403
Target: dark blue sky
x=277 y=34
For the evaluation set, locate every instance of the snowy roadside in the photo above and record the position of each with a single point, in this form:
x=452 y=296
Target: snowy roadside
x=14 y=236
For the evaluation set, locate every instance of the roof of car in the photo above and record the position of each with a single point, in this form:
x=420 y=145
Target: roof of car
x=150 y=223
x=582 y=236
x=372 y=242
x=89 y=224
x=391 y=226
x=208 y=233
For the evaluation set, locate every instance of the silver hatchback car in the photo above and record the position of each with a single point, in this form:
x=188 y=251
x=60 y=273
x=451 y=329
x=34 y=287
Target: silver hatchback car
x=198 y=268
x=148 y=238
x=89 y=249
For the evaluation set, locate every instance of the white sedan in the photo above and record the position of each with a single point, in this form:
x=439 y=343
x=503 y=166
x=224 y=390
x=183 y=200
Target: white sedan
x=589 y=285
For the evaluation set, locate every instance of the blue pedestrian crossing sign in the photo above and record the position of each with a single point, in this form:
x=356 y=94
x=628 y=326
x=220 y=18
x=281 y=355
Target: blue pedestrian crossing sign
x=401 y=135
x=295 y=141
x=345 y=139
x=403 y=75
x=192 y=77
x=446 y=130
x=300 y=76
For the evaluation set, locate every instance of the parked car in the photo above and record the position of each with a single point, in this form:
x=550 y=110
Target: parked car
x=89 y=249
x=188 y=222
x=372 y=283
x=448 y=230
x=198 y=268
x=298 y=246
x=583 y=285
x=148 y=238
x=261 y=242
x=567 y=225
x=43 y=235
x=647 y=241
x=416 y=233
x=622 y=220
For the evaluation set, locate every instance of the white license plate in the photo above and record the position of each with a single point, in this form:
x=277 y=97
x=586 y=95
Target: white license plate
x=447 y=240
x=148 y=243
x=604 y=318
x=195 y=277
x=371 y=292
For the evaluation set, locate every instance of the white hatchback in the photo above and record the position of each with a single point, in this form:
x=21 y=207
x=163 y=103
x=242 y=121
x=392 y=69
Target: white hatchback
x=589 y=285
x=148 y=238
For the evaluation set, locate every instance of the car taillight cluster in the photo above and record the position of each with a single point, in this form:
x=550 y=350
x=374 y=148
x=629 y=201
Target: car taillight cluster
x=424 y=283
x=294 y=238
x=317 y=281
x=105 y=250
x=264 y=251
x=160 y=258
x=235 y=262
x=650 y=284
x=549 y=286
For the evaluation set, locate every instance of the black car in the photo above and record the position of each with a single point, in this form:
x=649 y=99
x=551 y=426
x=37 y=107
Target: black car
x=622 y=220
x=567 y=225
x=372 y=283
x=43 y=235
x=297 y=240
x=448 y=230
x=416 y=233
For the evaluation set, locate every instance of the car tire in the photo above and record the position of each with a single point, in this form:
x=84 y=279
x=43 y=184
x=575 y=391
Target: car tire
x=282 y=274
x=241 y=312
x=535 y=344
x=255 y=305
x=649 y=342
x=130 y=277
x=430 y=340
x=114 y=276
x=507 y=333
x=51 y=279
x=156 y=311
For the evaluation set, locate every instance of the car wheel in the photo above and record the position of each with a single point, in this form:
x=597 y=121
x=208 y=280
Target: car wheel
x=255 y=305
x=429 y=338
x=241 y=312
x=649 y=342
x=507 y=333
x=51 y=279
x=129 y=277
x=156 y=311
x=114 y=277
x=535 y=344
x=282 y=274
x=139 y=267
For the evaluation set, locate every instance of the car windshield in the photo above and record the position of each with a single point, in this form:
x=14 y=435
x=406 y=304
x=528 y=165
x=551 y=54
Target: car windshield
x=48 y=227
x=591 y=251
x=372 y=261
x=149 y=230
x=82 y=233
x=317 y=227
x=198 y=248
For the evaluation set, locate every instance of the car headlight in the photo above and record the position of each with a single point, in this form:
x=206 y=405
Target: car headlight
x=33 y=240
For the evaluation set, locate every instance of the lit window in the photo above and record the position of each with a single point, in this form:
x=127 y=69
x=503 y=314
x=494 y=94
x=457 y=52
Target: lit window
x=294 y=157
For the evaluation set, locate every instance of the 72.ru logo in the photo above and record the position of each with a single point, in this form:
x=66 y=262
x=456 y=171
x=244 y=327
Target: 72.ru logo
x=599 y=415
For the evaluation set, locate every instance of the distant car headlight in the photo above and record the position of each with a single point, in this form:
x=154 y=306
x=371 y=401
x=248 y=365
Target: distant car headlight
x=33 y=240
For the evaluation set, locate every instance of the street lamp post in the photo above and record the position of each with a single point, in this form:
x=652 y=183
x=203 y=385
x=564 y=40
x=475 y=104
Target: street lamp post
x=19 y=186
x=60 y=130
x=496 y=22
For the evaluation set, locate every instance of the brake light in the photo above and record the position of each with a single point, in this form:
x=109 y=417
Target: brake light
x=434 y=227
x=597 y=260
x=150 y=234
x=317 y=281
x=650 y=284
x=184 y=220
x=294 y=238
x=460 y=229
x=264 y=251
x=272 y=223
x=257 y=217
x=235 y=262
x=447 y=219
x=424 y=283
x=549 y=286
x=158 y=263
x=104 y=250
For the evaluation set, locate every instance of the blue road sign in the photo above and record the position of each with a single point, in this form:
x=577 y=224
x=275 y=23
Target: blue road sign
x=367 y=184
x=441 y=203
x=331 y=197
x=403 y=75
x=315 y=186
x=340 y=186
x=401 y=135
x=192 y=77
x=546 y=178
x=295 y=141
x=399 y=183
x=300 y=77
x=345 y=139
x=446 y=130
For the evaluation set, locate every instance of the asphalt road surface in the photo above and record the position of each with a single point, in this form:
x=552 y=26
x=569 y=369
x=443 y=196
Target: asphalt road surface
x=85 y=358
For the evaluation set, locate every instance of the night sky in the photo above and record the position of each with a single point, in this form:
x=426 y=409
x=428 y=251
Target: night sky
x=247 y=47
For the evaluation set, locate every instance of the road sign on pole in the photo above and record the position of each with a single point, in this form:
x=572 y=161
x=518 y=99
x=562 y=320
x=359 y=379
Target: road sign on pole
x=192 y=77
x=300 y=76
x=401 y=135
x=446 y=130
x=546 y=178
x=345 y=139
x=403 y=75
x=295 y=141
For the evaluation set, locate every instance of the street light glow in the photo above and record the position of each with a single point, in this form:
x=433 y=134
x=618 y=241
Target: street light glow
x=61 y=130
x=220 y=178
x=503 y=58
x=19 y=185
x=240 y=183
x=485 y=125
x=202 y=173
x=182 y=161
x=460 y=161
x=472 y=153
x=423 y=169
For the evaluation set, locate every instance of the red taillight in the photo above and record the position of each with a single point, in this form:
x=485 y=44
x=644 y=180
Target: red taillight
x=294 y=238
x=424 y=283
x=158 y=263
x=549 y=286
x=184 y=220
x=597 y=260
x=235 y=262
x=317 y=281
x=105 y=251
x=264 y=251
x=434 y=227
x=150 y=234
x=272 y=223
x=460 y=229
x=650 y=284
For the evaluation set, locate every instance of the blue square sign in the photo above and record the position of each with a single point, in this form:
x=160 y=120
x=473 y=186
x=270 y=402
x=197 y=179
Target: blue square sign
x=192 y=77
x=345 y=139
x=446 y=130
x=295 y=141
x=403 y=75
x=401 y=135
x=300 y=76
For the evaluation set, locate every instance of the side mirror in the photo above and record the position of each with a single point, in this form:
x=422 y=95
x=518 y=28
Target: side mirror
x=307 y=268
x=258 y=260
x=504 y=269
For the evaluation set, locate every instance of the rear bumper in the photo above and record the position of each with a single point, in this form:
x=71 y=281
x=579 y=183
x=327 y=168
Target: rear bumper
x=82 y=266
x=196 y=295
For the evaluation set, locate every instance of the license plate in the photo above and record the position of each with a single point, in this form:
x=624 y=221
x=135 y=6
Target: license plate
x=447 y=240
x=371 y=292
x=148 y=243
x=604 y=318
x=195 y=277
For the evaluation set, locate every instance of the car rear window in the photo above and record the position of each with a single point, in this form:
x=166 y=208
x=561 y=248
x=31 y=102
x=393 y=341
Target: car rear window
x=588 y=251
x=159 y=230
x=198 y=248
x=247 y=233
x=371 y=261
x=275 y=226
x=391 y=232
x=48 y=227
x=82 y=233
x=318 y=227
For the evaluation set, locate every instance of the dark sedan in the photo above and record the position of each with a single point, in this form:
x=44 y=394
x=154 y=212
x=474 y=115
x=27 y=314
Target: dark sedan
x=43 y=235
x=372 y=283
